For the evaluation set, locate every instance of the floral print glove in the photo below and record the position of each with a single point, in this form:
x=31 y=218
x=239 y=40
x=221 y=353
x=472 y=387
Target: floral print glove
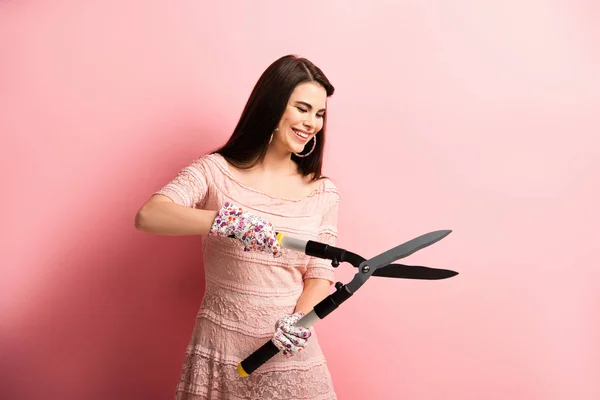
x=255 y=233
x=291 y=339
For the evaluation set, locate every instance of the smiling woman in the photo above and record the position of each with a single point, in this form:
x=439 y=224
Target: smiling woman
x=291 y=94
x=300 y=121
x=265 y=179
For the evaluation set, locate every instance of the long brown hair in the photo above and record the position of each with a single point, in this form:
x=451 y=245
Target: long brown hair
x=248 y=144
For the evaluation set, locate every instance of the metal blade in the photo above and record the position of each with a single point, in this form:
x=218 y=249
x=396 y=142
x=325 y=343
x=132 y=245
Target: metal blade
x=414 y=272
x=406 y=249
x=368 y=267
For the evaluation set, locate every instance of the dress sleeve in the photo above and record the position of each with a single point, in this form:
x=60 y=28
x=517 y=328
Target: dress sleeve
x=328 y=232
x=190 y=186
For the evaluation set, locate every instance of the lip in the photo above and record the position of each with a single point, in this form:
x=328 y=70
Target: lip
x=304 y=140
x=300 y=130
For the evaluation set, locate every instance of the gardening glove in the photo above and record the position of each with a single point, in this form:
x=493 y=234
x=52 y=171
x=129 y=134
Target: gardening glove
x=255 y=233
x=288 y=338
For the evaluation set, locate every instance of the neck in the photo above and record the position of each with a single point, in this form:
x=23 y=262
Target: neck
x=278 y=162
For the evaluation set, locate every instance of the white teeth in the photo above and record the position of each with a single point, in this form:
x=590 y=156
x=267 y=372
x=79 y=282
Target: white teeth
x=302 y=135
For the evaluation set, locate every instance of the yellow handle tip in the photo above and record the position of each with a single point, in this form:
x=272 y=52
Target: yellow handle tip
x=280 y=237
x=241 y=371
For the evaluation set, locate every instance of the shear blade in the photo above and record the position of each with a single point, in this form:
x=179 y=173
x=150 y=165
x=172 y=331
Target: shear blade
x=413 y=272
x=407 y=248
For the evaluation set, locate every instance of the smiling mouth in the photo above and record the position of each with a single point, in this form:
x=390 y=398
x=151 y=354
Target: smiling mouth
x=301 y=135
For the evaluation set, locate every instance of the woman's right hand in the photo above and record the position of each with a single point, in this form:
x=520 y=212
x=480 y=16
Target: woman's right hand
x=255 y=233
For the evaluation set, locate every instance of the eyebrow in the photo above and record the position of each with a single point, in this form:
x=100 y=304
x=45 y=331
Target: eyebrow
x=310 y=107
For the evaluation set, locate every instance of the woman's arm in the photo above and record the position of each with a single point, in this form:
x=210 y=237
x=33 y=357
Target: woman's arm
x=161 y=216
x=315 y=290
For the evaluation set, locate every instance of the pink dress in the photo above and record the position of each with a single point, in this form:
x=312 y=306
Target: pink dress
x=247 y=292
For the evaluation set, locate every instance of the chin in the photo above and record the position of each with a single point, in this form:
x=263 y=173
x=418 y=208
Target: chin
x=295 y=148
x=298 y=150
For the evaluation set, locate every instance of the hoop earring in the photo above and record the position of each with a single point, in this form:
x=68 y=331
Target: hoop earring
x=271 y=139
x=314 y=138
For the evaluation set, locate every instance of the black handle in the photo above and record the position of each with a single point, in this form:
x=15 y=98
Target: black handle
x=258 y=358
x=320 y=311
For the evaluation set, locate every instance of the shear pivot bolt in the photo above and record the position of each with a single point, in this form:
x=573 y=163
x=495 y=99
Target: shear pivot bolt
x=365 y=268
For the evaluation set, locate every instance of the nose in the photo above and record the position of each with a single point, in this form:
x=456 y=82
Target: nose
x=309 y=123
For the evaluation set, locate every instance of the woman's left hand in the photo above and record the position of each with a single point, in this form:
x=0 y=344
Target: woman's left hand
x=288 y=338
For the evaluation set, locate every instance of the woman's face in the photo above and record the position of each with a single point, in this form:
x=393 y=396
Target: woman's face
x=302 y=118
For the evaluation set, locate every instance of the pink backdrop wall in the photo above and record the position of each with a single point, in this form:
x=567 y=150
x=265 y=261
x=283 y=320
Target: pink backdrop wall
x=481 y=117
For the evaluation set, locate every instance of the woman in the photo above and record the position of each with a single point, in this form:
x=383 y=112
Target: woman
x=265 y=179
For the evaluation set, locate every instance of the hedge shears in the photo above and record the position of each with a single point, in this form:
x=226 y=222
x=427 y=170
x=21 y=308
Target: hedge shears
x=380 y=265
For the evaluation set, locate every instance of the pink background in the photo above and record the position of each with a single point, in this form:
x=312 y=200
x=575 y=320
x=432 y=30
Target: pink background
x=481 y=117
